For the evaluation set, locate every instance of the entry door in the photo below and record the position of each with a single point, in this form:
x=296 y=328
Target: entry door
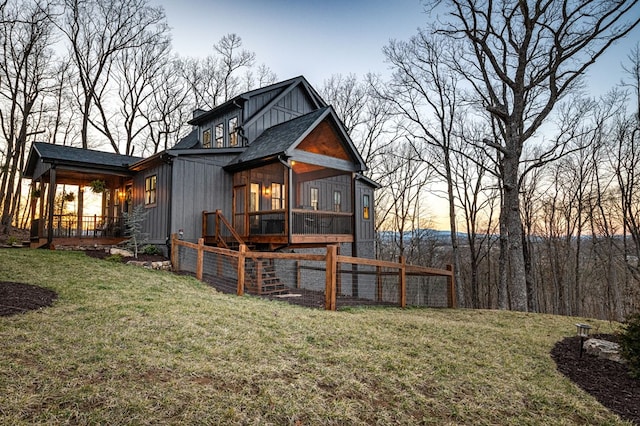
x=240 y=209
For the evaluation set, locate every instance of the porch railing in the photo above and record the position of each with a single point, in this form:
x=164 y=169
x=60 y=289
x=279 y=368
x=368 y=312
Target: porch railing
x=66 y=225
x=314 y=222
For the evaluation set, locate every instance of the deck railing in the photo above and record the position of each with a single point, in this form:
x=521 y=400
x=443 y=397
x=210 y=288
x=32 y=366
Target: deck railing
x=66 y=225
x=315 y=222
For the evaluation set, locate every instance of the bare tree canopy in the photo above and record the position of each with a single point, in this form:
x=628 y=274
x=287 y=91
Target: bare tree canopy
x=521 y=58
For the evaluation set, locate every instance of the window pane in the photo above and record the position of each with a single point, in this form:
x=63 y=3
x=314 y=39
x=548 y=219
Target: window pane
x=233 y=135
x=314 y=198
x=365 y=207
x=206 y=138
x=337 y=200
x=219 y=135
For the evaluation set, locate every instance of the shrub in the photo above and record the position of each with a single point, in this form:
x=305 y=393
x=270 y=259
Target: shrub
x=150 y=250
x=630 y=344
x=12 y=240
x=116 y=258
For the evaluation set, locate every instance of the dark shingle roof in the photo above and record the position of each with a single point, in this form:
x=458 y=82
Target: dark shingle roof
x=278 y=139
x=79 y=155
x=188 y=141
x=69 y=155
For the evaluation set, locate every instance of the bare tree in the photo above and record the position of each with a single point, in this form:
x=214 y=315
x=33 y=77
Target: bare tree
x=98 y=31
x=26 y=38
x=424 y=91
x=521 y=58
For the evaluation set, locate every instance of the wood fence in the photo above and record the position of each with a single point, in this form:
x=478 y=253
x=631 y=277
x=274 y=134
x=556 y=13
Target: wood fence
x=331 y=259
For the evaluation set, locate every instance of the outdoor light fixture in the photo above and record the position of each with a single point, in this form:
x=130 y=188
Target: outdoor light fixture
x=180 y=234
x=583 y=332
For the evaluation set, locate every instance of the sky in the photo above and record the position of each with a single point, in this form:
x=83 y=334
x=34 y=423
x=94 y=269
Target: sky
x=306 y=37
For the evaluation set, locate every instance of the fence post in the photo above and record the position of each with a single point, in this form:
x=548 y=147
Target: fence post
x=241 y=256
x=403 y=282
x=200 y=262
x=331 y=269
x=378 y=283
x=174 y=253
x=452 y=288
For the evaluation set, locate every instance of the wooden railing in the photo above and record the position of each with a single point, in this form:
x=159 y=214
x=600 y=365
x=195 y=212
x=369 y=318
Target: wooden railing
x=66 y=225
x=223 y=233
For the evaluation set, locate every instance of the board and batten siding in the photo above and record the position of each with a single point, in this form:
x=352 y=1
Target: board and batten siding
x=156 y=221
x=365 y=228
x=199 y=184
x=293 y=104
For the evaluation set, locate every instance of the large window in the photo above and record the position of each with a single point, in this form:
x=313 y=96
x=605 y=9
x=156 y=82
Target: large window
x=233 y=134
x=314 y=198
x=206 y=138
x=277 y=199
x=150 y=190
x=365 y=206
x=219 y=135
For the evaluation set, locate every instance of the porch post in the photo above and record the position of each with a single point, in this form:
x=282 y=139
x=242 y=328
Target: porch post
x=80 y=210
x=50 y=203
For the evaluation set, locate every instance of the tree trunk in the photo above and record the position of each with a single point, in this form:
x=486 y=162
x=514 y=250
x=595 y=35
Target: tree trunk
x=513 y=224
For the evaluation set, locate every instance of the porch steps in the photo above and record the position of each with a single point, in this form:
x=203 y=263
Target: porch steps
x=262 y=278
x=37 y=242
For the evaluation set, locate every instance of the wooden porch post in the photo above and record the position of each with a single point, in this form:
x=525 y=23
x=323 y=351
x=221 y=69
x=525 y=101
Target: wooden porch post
x=80 y=210
x=50 y=203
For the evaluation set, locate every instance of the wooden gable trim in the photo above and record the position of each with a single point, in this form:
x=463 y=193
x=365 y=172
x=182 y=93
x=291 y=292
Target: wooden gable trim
x=325 y=140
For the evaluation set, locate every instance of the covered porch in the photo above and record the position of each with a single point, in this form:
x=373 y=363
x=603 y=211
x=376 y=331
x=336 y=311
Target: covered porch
x=282 y=204
x=77 y=193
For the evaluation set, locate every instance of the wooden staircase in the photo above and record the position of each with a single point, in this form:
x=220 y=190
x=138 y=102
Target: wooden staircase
x=261 y=278
x=260 y=274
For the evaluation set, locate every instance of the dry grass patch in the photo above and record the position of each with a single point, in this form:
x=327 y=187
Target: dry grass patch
x=127 y=345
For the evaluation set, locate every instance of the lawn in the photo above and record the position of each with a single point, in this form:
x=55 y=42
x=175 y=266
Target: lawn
x=125 y=345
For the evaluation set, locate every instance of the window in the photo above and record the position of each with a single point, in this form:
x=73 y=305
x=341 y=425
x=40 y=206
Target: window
x=233 y=134
x=277 y=199
x=337 y=200
x=206 y=138
x=219 y=135
x=365 y=206
x=314 y=198
x=150 y=189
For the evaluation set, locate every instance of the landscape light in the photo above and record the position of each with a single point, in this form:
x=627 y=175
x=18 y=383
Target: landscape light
x=583 y=332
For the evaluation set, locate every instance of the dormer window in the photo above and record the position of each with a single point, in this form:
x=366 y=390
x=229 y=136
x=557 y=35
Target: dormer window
x=219 y=135
x=233 y=134
x=206 y=138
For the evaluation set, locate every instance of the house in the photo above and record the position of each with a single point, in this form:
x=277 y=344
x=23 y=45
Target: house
x=275 y=164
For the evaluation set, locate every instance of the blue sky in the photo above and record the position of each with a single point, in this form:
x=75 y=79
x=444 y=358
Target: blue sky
x=311 y=38
x=320 y=38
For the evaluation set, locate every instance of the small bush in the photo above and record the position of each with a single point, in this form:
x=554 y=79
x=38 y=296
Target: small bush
x=116 y=258
x=12 y=240
x=150 y=250
x=630 y=344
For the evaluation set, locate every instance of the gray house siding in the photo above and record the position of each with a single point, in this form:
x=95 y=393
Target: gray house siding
x=199 y=183
x=291 y=105
x=156 y=221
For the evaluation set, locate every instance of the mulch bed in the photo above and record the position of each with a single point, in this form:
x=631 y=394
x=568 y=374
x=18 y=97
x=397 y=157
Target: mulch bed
x=608 y=381
x=16 y=298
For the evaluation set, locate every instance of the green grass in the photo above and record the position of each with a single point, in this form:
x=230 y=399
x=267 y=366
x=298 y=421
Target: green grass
x=126 y=345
